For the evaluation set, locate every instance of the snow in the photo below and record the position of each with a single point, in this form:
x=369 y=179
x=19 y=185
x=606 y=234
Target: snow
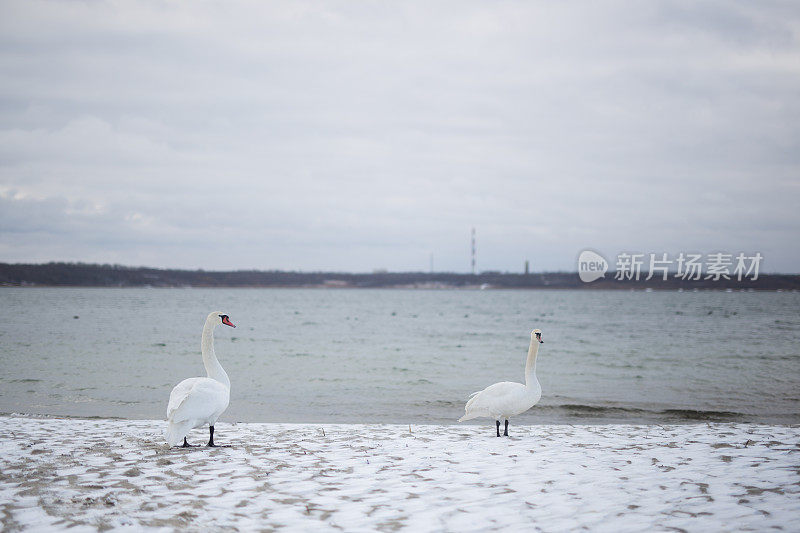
x=117 y=474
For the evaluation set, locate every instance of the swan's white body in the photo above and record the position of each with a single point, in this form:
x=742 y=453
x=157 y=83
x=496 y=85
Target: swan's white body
x=507 y=399
x=197 y=402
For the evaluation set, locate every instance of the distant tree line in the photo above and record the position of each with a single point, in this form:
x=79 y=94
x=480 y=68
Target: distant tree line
x=93 y=275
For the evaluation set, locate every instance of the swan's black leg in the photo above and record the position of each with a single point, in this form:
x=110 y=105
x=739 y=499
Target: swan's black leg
x=186 y=444
x=211 y=439
x=498 y=427
x=505 y=433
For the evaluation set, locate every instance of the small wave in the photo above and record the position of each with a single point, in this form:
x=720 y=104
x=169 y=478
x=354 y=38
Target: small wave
x=599 y=411
x=692 y=414
x=41 y=416
x=24 y=380
x=440 y=403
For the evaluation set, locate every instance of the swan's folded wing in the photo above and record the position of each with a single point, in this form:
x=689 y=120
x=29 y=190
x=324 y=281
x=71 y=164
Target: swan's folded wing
x=178 y=394
x=196 y=398
x=495 y=398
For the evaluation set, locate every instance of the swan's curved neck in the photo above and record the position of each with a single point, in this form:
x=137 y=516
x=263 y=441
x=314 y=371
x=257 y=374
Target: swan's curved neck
x=530 y=364
x=213 y=368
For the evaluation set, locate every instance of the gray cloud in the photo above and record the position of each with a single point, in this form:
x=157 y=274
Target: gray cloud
x=355 y=136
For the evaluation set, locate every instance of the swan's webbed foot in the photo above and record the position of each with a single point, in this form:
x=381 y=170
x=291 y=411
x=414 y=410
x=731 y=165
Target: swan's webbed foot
x=498 y=427
x=505 y=433
x=187 y=445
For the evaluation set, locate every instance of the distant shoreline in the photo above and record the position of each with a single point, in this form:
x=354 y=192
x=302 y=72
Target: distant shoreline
x=94 y=275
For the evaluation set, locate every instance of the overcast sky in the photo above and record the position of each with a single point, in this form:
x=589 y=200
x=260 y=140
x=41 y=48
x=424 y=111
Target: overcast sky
x=362 y=135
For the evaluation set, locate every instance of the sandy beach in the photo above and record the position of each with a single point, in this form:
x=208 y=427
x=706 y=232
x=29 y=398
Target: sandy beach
x=97 y=474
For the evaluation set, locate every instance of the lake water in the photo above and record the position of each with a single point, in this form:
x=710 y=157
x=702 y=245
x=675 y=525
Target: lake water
x=405 y=356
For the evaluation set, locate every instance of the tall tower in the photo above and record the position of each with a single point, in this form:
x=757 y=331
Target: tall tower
x=473 y=251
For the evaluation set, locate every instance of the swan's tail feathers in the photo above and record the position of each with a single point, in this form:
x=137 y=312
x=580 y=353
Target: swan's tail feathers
x=468 y=416
x=470 y=402
x=176 y=431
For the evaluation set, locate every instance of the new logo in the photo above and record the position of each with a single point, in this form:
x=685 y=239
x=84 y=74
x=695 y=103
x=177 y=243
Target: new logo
x=591 y=266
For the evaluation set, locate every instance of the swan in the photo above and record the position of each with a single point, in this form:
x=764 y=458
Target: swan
x=507 y=399
x=195 y=402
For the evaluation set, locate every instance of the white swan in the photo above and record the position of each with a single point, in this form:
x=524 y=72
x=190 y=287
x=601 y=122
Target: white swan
x=195 y=402
x=507 y=399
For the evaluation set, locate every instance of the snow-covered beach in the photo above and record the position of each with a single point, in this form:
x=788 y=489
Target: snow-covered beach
x=96 y=474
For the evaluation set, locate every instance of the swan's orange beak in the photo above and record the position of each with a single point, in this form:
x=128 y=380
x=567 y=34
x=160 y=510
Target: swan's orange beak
x=227 y=322
x=539 y=338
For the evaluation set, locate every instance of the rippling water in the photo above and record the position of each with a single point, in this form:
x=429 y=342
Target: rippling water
x=314 y=355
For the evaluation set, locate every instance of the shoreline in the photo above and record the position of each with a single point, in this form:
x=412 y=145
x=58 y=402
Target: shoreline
x=100 y=473
x=423 y=287
x=669 y=417
x=96 y=275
